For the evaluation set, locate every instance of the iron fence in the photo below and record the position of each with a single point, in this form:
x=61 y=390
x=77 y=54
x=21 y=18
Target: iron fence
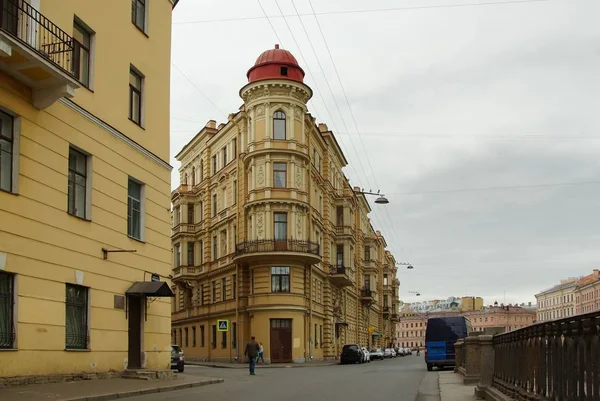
x=277 y=245
x=556 y=360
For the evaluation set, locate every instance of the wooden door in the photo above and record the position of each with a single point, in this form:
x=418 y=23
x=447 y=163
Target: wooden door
x=134 y=351
x=281 y=340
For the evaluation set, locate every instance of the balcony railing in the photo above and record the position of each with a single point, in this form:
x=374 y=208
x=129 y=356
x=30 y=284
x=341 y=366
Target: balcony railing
x=276 y=245
x=367 y=293
x=555 y=360
x=341 y=275
x=34 y=30
x=338 y=269
x=386 y=310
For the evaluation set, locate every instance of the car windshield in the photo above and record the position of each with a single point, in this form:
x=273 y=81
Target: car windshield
x=175 y=350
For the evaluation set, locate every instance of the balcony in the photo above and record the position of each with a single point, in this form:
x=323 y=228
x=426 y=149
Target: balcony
x=395 y=317
x=340 y=275
x=386 y=312
x=186 y=272
x=277 y=251
x=370 y=265
x=367 y=296
x=37 y=53
x=183 y=228
x=342 y=231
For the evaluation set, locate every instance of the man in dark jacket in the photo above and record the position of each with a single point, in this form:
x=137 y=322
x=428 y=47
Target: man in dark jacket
x=251 y=351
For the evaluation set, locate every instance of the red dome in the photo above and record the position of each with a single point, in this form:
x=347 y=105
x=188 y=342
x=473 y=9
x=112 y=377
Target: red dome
x=276 y=64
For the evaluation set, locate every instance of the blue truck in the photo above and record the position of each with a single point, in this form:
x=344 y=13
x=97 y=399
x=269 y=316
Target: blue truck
x=440 y=336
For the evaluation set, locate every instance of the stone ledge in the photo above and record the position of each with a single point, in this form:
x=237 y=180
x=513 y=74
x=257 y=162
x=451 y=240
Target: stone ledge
x=68 y=377
x=492 y=394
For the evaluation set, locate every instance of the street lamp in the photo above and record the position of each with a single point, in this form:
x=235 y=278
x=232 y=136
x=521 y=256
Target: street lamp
x=417 y=293
x=381 y=200
x=408 y=265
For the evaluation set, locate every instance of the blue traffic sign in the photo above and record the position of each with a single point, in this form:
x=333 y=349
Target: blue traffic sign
x=222 y=325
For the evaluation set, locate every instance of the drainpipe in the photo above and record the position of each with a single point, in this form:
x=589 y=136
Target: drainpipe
x=310 y=343
x=237 y=314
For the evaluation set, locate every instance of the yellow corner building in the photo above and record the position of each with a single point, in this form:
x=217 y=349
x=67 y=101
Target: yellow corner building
x=84 y=186
x=270 y=238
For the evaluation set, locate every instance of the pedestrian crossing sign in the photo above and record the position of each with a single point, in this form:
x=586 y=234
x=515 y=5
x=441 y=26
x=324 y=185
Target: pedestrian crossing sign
x=222 y=325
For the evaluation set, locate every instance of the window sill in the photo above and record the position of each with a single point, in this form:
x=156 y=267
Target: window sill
x=9 y=192
x=80 y=218
x=136 y=239
x=9 y=349
x=140 y=29
x=136 y=123
x=77 y=350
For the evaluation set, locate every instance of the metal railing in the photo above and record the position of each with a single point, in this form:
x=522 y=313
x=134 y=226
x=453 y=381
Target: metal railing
x=276 y=245
x=338 y=269
x=557 y=360
x=367 y=293
x=33 y=29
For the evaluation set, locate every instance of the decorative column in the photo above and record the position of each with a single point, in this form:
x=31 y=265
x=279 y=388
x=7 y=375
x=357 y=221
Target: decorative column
x=486 y=346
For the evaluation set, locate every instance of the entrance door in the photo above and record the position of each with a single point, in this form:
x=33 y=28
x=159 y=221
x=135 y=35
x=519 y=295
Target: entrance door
x=134 y=350
x=281 y=340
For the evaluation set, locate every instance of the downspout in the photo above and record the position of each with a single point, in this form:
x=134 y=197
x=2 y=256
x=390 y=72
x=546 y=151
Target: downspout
x=237 y=313
x=310 y=343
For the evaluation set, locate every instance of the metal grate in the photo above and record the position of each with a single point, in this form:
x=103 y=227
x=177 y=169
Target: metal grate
x=76 y=317
x=7 y=303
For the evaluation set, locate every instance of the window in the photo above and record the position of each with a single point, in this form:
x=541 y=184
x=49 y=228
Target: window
x=234 y=286
x=6 y=152
x=187 y=338
x=385 y=280
x=134 y=209
x=201 y=256
x=283 y=71
x=234 y=335
x=76 y=329
x=7 y=311
x=339 y=255
x=213 y=339
x=224 y=156
x=190 y=213
x=202 y=296
x=279 y=175
x=193 y=176
x=234 y=146
x=180 y=343
x=215 y=255
x=193 y=336
x=190 y=254
x=214 y=291
x=202 y=336
x=135 y=96
x=201 y=171
x=223 y=289
x=316 y=340
x=214 y=205
x=339 y=211
x=81 y=53
x=280 y=226
x=367 y=253
x=279 y=125
x=280 y=279
x=321 y=334
x=223 y=339
x=77 y=191
x=177 y=255
x=138 y=14
x=234 y=192
x=214 y=164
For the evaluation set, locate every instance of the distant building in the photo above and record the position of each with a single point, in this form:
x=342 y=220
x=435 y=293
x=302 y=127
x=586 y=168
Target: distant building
x=573 y=296
x=463 y=304
x=587 y=293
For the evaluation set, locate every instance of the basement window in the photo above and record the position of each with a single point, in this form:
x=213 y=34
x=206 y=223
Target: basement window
x=283 y=71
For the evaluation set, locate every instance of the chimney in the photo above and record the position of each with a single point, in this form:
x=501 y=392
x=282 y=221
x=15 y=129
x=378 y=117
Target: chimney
x=211 y=124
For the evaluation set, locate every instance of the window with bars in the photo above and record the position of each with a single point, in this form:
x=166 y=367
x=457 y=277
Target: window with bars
x=7 y=311
x=134 y=209
x=77 y=184
x=135 y=96
x=76 y=317
x=280 y=279
x=6 y=151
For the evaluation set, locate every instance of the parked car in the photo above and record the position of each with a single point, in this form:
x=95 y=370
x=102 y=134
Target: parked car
x=366 y=355
x=387 y=353
x=394 y=354
x=351 y=353
x=177 y=359
x=401 y=352
x=376 y=353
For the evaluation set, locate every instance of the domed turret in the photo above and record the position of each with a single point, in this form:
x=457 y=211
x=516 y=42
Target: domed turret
x=276 y=64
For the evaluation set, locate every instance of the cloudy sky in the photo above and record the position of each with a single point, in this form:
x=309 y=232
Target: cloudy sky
x=478 y=120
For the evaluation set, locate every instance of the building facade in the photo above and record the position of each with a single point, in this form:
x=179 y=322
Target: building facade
x=84 y=186
x=412 y=325
x=269 y=239
x=558 y=301
x=587 y=293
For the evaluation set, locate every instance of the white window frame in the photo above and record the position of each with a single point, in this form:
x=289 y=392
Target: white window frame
x=88 y=182
x=142 y=209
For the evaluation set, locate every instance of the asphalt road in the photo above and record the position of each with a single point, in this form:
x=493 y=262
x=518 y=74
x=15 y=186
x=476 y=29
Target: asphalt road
x=400 y=379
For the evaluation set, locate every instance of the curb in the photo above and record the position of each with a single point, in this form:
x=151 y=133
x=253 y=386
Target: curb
x=146 y=391
x=269 y=366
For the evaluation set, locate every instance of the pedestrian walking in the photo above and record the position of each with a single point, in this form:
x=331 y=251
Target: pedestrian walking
x=252 y=349
x=261 y=352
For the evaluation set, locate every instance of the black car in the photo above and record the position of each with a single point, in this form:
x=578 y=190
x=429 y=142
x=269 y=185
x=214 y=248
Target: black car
x=177 y=360
x=351 y=353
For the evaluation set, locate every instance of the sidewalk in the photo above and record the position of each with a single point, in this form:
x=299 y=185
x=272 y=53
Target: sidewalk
x=101 y=390
x=453 y=389
x=244 y=365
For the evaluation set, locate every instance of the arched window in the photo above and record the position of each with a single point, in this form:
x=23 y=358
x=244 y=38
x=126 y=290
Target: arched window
x=193 y=176
x=279 y=125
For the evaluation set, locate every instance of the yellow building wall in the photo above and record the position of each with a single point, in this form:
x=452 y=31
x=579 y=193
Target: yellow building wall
x=45 y=246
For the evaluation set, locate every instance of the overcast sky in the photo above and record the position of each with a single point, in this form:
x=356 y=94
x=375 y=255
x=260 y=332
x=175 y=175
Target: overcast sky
x=471 y=119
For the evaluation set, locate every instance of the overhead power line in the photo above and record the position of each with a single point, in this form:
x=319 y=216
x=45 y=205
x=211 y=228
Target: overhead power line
x=363 y=11
x=200 y=90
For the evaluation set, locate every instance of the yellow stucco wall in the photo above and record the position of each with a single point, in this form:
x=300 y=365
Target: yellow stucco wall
x=44 y=245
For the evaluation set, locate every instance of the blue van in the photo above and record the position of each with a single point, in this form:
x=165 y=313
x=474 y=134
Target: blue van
x=440 y=336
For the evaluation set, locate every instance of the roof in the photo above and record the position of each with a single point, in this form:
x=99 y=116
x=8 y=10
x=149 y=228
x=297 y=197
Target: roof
x=150 y=289
x=562 y=286
x=276 y=63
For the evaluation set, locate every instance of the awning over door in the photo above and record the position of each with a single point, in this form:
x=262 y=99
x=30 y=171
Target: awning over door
x=150 y=289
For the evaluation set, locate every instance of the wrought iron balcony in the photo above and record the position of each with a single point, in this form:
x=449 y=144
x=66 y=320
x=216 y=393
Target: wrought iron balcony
x=340 y=275
x=367 y=296
x=36 y=52
x=282 y=249
x=386 y=310
x=395 y=317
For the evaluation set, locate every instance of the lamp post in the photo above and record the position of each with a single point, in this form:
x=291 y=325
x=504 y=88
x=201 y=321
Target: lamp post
x=408 y=265
x=381 y=200
x=417 y=293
